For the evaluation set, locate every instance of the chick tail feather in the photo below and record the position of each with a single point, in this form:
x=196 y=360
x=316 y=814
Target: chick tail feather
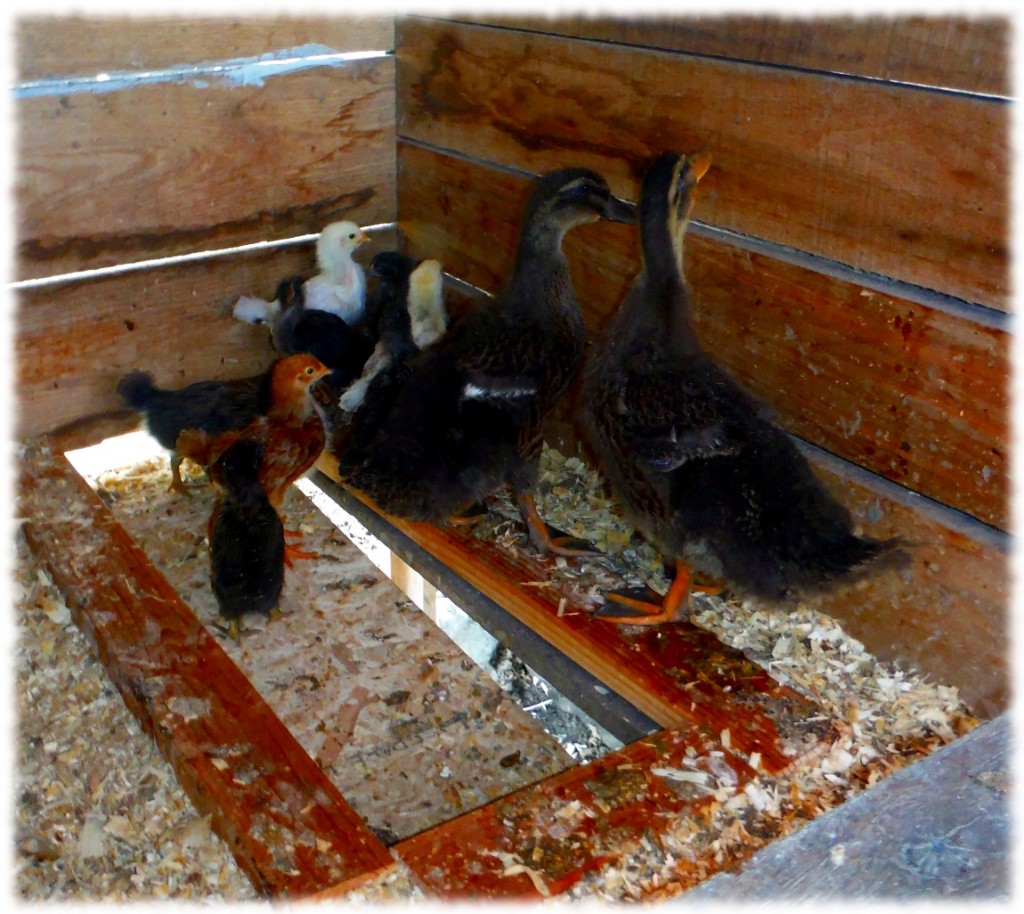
x=137 y=389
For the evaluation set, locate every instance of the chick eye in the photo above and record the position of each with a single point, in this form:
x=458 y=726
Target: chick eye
x=309 y=371
x=352 y=235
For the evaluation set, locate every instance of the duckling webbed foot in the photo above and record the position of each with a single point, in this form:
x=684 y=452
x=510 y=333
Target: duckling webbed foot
x=644 y=606
x=469 y=515
x=547 y=538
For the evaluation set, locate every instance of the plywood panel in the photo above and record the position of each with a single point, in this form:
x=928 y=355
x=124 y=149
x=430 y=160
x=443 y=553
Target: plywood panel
x=60 y=46
x=169 y=168
x=289 y=828
x=953 y=52
x=860 y=172
x=74 y=341
x=916 y=393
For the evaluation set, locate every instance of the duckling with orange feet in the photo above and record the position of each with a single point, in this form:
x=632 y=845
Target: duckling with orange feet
x=466 y=418
x=695 y=464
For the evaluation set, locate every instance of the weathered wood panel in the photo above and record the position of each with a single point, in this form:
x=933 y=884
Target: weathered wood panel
x=950 y=52
x=908 y=183
x=289 y=828
x=50 y=47
x=73 y=341
x=172 y=168
x=912 y=392
x=563 y=827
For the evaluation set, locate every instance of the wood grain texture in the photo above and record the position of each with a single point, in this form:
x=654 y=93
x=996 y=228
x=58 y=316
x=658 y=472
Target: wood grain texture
x=899 y=181
x=289 y=828
x=677 y=674
x=164 y=169
x=970 y=54
x=72 y=342
x=915 y=393
x=584 y=819
x=48 y=47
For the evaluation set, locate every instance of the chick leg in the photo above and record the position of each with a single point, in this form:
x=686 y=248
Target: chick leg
x=647 y=611
x=292 y=553
x=547 y=538
x=177 y=483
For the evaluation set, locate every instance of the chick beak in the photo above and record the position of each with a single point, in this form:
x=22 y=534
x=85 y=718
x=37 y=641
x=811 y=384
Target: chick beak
x=700 y=163
x=616 y=210
x=362 y=237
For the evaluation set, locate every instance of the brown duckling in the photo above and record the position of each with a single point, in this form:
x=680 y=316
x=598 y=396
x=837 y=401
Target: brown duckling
x=695 y=463
x=466 y=418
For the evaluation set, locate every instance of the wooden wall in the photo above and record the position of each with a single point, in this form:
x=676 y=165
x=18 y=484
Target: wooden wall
x=849 y=254
x=158 y=137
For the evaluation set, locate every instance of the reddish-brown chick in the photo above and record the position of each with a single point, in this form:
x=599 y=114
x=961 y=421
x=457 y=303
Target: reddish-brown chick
x=291 y=432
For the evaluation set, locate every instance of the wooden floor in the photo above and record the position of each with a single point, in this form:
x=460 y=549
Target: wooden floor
x=940 y=829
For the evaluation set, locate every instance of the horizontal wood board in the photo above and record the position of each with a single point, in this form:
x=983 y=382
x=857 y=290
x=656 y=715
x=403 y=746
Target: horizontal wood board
x=49 y=47
x=865 y=173
x=677 y=674
x=584 y=819
x=916 y=393
x=289 y=828
x=969 y=54
x=153 y=170
x=945 y=614
x=73 y=341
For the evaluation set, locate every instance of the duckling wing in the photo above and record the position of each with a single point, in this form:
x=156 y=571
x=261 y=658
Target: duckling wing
x=668 y=419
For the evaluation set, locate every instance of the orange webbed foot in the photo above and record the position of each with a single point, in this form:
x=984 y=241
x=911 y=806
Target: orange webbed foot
x=550 y=539
x=643 y=605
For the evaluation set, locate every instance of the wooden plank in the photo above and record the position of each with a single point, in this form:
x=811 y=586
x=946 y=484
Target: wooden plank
x=287 y=825
x=563 y=827
x=73 y=341
x=970 y=54
x=937 y=830
x=677 y=674
x=916 y=393
x=860 y=172
x=49 y=47
x=199 y=165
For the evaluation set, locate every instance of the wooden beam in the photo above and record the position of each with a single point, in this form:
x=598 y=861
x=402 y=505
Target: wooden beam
x=913 y=391
x=289 y=828
x=73 y=341
x=49 y=47
x=677 y=674
x=949 y=52
x=861 y=172
x=194 y=165
x=581 y=820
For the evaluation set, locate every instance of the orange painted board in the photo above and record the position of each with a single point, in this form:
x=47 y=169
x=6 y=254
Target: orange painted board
x=860 y=172
x=577 y=821
x=289 y=828
x=914 y=392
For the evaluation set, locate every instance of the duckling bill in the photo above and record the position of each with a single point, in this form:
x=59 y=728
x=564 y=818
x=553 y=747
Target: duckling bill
x=689 y=454
x=466 y=418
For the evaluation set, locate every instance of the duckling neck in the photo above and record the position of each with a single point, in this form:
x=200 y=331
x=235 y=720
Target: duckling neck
x=666 y=299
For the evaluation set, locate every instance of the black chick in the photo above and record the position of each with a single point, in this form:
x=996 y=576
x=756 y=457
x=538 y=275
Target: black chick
x=692 y=458
x=209 y=406
x=247 y=544
x=466 y=418
x=298 y=329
